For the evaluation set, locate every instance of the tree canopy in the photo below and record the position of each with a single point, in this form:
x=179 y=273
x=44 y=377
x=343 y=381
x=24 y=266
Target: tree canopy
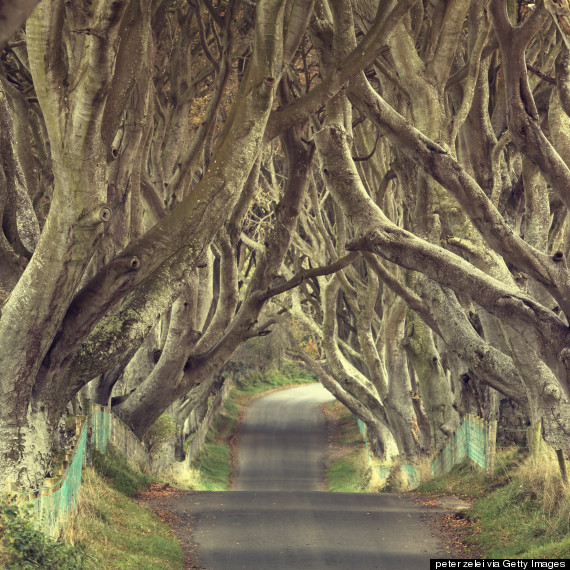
x=388 y=180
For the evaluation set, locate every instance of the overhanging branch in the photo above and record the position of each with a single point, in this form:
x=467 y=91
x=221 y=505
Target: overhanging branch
x=305 y=274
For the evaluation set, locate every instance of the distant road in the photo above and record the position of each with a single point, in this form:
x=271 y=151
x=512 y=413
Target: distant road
x=282 y=442
x=276 y=519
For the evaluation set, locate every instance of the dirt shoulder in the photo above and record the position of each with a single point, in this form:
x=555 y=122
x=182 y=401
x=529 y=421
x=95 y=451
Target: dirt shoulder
x=159 y=498
x=447 y=518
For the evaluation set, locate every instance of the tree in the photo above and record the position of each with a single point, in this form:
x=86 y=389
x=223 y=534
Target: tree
x=66 y=336
x=98 y=279
x=139 y=248
x=486 y=270
x=489 y=277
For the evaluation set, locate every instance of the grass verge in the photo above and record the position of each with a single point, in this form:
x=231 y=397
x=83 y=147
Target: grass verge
x=348 y=469
x=214 y=462
x=109 y=530
x=120 y=474
x=115 y=530
x=521 y=511
x=349 y=474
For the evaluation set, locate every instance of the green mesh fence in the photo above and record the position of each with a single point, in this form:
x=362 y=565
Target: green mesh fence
x=109 y=428
x=52 y=505
x=412 y=474
x=128 y=444
x=474 y=438
x=101 y=427
x=362 y=428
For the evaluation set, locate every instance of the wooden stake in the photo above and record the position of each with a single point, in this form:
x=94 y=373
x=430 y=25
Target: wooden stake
x=492 y=447
x=562 y=463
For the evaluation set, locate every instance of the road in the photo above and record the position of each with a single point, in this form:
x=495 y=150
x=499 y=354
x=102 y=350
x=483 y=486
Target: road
x=282 y=442
x=276 y=519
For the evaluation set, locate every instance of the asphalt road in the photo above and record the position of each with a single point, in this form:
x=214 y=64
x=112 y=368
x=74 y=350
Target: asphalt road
x=276 y=519
x=282 y=442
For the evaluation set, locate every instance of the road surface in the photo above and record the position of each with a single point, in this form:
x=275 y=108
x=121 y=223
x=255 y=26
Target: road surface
x=276 y=519
x=282 y=442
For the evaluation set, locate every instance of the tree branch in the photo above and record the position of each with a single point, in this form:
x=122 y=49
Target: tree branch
x=305 y=274
x=440 y=165
x=410 y=298
x=381 y=236
x=359 y=58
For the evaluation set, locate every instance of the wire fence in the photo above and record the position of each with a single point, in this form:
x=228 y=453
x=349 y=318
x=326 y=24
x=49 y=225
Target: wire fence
x=101 y=427
x=362 y=428
x=199 y=438
x=476 y=439
x=124 y=440
x=52 y=504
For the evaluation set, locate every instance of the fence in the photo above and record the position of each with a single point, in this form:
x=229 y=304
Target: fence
x=52 y=504
x=362 y=428
x=474 y=438
x=101 y=427
x=107 y=429
x=163 y=460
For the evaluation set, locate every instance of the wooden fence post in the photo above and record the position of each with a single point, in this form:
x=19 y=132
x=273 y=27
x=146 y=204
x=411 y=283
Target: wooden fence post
x=562 y=463
x=492 y=447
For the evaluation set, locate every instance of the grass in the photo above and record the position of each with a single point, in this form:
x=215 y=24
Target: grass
x=351 y=472
x=521 y=511
x=214 y=466
x=253 y=383
x=116 y=531
x=214 y=462
x=469 y=482
x=122 y=476
x=4 y=556
x=357 y=470
x=181 y=476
